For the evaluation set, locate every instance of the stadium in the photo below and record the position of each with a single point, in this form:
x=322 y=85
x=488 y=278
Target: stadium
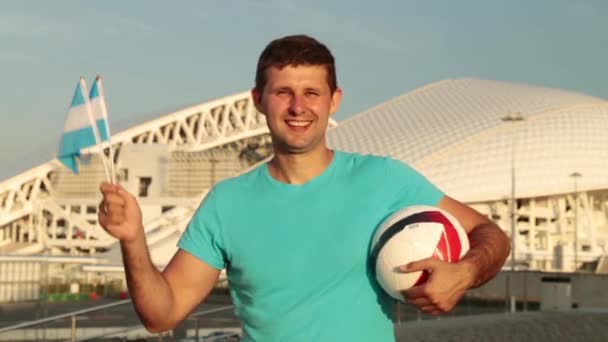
x=497 y=146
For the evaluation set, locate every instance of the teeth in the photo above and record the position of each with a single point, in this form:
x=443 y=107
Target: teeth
x=298 y=123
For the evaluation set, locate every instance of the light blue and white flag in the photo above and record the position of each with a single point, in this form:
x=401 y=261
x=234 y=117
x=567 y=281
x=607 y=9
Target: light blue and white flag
x=99 y=110
x=100 y=113
x=81 y=129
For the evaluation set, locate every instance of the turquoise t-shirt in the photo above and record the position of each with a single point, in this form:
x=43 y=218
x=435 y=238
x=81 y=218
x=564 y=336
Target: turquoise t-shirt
x=297 y=255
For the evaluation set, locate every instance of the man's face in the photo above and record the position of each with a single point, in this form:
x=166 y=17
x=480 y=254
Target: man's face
x=297 y=102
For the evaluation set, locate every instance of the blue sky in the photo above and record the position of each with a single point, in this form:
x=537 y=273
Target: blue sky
x=159 y=56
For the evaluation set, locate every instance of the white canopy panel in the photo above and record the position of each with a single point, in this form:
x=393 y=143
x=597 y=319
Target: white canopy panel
x=452 y=132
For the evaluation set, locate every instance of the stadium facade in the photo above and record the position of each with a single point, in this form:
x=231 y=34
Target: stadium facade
x=553 y=159
x=452 y=131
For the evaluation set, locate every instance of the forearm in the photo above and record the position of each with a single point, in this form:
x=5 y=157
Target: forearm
x=151 y=295
x=490 y=247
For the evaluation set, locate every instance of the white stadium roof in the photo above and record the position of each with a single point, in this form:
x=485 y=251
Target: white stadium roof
x=452 y=132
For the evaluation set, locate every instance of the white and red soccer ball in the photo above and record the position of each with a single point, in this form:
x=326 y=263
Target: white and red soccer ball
x=412 y=234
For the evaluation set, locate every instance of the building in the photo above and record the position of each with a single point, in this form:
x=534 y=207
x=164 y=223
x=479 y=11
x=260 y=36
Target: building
x=454 y=132
x=451 y=131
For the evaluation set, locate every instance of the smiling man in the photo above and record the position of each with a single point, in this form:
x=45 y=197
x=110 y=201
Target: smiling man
x=296 y=252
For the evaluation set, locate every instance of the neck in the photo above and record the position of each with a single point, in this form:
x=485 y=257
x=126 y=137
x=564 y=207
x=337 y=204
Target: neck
x=293 y=168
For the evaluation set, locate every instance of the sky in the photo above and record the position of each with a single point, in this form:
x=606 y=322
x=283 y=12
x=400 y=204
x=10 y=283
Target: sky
x=157 y=57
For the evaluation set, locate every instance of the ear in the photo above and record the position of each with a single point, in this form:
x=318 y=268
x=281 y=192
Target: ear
x=257 y=99
x=336 y=98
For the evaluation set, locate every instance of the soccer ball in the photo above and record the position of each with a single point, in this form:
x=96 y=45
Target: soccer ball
x=411 y=234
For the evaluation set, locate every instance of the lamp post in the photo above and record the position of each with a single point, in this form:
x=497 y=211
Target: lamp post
x=575 y=176
x=512 y=118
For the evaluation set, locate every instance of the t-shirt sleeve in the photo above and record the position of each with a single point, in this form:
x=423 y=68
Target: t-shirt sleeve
x=203 y=236
x=409 y=187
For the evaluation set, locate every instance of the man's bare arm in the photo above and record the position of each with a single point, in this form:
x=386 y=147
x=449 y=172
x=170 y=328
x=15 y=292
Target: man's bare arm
x=490 y=246
x=448 y=282
x=161 y=300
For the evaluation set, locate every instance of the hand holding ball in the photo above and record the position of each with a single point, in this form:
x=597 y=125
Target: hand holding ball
x=412 y=234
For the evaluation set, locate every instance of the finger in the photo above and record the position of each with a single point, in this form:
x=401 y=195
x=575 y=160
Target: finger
x=116 y=220
x=113 y=198
x=110 y=221
x=415 y=292
x=116 y=192
x=114 y=209
x=420 y=302
x=106 y=187
x=420 y=265
x=429 y=308
x=103 y=219
x=103 y=215
x=128 y=198
x=110 y=210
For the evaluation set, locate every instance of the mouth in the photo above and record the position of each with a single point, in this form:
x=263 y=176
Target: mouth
x=298 y=123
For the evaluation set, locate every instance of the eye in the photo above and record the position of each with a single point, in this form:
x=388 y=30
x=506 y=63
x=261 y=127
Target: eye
x=312 y=93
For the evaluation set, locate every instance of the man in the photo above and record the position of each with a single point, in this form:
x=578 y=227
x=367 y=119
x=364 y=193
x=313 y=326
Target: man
x=294 y=233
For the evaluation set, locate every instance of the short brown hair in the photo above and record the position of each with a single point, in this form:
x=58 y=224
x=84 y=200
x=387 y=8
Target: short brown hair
x=295 y=50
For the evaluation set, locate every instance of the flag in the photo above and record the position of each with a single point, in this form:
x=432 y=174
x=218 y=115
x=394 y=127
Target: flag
x=78 y=131
x=100 y=114
x=99 y=110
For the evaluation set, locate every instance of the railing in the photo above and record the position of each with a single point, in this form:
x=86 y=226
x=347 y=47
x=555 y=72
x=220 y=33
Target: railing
x=73 y=319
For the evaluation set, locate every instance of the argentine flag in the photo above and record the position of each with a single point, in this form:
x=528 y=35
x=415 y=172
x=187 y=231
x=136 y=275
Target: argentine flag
x=82 y=128
x=98 y=107
x=100 y=113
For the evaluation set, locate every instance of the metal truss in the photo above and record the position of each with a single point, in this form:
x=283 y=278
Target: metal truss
x=200 y=127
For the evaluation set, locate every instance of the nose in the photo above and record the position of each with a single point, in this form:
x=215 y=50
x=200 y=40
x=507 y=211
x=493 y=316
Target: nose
x=296 y=106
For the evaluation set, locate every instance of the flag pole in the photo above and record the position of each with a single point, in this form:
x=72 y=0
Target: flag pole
x=104 y=110
x=83 y=85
